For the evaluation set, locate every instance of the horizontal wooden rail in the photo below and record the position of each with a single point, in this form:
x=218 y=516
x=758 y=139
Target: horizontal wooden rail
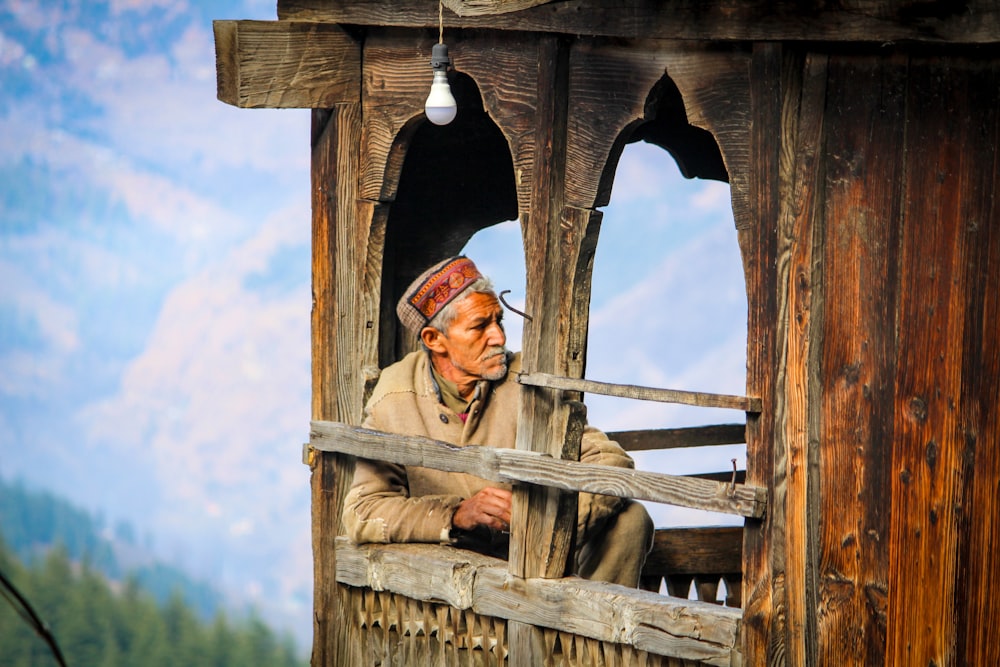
x=744 y=403
x=700 y=550
x=514 y=466
x=675 y=438
x=669 y=626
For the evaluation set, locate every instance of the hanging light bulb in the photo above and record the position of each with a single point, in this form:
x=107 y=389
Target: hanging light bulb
x=440 y=107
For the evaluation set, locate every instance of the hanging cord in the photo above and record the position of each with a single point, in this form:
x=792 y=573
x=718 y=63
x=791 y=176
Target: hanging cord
x=27 y=613
x=440 y=21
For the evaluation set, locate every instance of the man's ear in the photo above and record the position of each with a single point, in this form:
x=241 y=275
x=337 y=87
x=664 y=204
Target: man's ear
x=431 y=338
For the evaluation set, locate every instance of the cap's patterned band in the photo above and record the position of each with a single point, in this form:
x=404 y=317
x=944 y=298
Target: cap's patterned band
x=443 y=286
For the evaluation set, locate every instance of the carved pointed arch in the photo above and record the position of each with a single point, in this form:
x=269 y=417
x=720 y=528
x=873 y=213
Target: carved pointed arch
x=450 y=182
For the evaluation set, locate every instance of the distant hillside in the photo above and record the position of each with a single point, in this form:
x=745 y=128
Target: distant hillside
x=32 y=523
x=95 y=624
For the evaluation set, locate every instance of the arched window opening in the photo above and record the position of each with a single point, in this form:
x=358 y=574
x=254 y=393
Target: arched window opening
x=469 y=186
x=668 y=309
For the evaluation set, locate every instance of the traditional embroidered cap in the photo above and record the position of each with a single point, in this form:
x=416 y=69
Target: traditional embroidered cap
x=434 y=289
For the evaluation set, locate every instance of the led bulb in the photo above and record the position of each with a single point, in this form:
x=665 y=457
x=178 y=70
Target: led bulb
x=440 y=106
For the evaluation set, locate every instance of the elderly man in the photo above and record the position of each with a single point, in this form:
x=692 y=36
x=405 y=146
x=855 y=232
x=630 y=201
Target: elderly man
x=459 y=388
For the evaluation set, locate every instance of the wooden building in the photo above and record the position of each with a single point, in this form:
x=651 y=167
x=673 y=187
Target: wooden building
x=860 y=141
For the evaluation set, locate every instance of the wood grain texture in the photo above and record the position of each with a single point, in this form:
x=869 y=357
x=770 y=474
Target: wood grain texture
x=700 y=399
x=948 y=228
x=332 y=204
x=539 y=469
x=285 y=64
x=978 y=609
x=763 y=596
x=875 y=21
x=800 y=282
x=654 y=623
x=861 y=196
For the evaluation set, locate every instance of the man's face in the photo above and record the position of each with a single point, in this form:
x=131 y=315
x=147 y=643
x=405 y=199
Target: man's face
x=474 y=343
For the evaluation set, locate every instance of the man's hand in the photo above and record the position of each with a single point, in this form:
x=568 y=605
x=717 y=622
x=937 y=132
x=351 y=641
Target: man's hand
x=490 y=507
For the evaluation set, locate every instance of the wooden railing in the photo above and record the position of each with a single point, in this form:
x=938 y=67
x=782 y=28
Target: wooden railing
x=702 y=557
x=640 y=620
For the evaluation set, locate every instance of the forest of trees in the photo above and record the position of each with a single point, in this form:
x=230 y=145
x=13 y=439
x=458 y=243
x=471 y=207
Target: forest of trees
x=102 y=613
x=95 y=625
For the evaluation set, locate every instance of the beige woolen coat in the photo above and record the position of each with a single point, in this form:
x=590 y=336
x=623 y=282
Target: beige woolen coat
x=392 y=503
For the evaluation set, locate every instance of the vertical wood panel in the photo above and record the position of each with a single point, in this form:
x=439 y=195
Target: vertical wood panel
x=339 y=256
x=762 y=588
x=800 y=326
x=861 y=191
x=977 y=510
x=928 y=468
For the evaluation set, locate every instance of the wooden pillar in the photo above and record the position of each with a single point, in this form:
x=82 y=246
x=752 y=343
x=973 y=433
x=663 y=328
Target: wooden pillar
x=340 y=328
x=558 y=300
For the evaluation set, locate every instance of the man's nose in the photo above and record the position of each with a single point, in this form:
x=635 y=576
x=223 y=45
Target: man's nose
x=497 y=335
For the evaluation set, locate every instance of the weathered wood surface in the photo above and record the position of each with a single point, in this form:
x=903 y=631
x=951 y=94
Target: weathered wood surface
x=335 y=393
x=557 y=269
x=701 y=399
x=860 y=267
x=534 y=468
x=762 y=582
x=286 y=64
x=875 y=21
x=662 y=625
x=884 y=288
x=674 y=438
x=945 y=524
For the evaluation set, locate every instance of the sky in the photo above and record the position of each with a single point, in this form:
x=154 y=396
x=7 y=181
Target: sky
x=155 y=296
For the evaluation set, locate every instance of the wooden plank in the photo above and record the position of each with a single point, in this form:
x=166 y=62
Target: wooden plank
x=414 y=570
x=675 y=438
x=978 y=609
x=686 y=629
x=534 y=468
x=861 y=196
x=800 y=327
x=951 y=161
x=696 y=551
x=676 y=627
x=755 y=223
x=286 y=64
x=875 y=21
x=705 y=400
x=333 y=137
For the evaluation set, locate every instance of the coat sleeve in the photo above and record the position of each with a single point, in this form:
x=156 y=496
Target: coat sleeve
x=596 y=447
x=378 y=506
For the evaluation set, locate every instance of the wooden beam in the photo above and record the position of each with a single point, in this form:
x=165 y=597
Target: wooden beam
x=704 y=400
x=675 y=438
x=286 y=64
x=654 y=623
x=525 y=467
x=873 y=21
x=690 y=551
